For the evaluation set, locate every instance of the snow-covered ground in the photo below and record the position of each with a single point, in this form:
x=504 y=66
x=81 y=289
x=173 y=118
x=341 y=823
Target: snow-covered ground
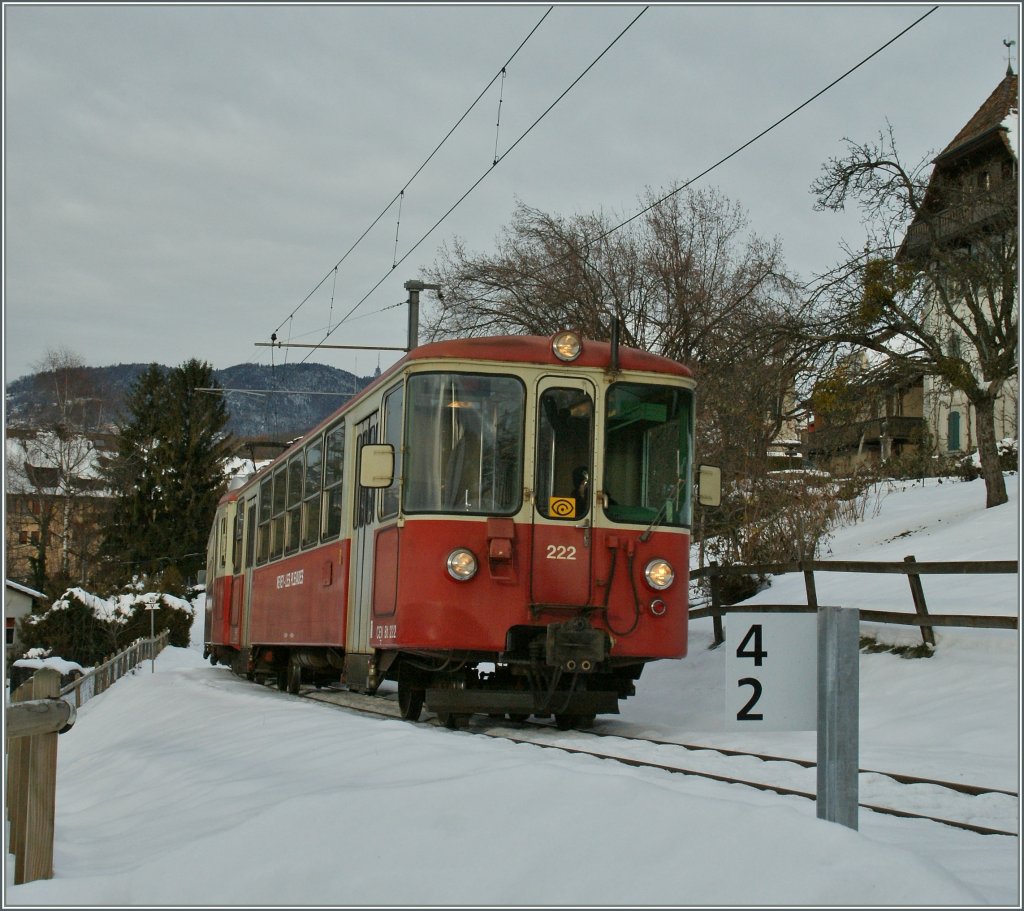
x=188 y=786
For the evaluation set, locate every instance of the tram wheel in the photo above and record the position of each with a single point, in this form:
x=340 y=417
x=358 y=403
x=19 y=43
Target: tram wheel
x=410 y=701
x=453 y=720
x=517 y=716
x=566 y=722
x=294 y=677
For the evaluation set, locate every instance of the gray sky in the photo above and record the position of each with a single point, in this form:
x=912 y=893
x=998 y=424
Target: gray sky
x=179 y=178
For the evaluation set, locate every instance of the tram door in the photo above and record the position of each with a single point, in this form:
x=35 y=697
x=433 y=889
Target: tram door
x=364 y=525
x=563 y=493
x=247 y=548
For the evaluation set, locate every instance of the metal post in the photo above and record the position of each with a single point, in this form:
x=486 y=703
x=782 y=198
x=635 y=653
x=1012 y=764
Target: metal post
x=414 y=286
x=838 y=714
x=152 y=640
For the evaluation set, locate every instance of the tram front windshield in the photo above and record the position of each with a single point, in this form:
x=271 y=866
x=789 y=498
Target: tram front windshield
x=648 y=454
x=464 y=449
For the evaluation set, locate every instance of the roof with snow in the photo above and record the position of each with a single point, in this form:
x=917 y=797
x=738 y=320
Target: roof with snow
x=24 y=589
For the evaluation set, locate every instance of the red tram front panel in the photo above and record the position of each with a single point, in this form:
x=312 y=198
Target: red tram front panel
x=433 y=611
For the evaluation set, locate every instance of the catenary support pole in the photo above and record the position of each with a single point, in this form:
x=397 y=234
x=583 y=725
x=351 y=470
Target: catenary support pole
x=838 y=714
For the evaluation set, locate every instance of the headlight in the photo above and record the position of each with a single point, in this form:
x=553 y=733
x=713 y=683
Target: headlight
x=659 y=574
x=566 y=346
x=461 y=565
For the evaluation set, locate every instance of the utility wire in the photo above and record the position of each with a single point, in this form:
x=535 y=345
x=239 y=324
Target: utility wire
x=416 y=173
x=658 y=202
x=765 y=131
x=483 y=176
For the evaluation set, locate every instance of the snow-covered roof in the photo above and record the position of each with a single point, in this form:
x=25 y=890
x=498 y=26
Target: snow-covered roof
x=1011 y=123
x=25 y=590
x=32 y=460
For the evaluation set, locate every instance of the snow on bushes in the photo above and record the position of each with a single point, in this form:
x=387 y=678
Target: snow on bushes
x=86 y=628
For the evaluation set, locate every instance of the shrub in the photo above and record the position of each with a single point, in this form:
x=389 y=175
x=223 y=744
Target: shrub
x=82 y=627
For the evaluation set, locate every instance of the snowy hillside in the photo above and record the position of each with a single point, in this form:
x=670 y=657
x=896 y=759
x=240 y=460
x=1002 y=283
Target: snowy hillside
x=192 y=787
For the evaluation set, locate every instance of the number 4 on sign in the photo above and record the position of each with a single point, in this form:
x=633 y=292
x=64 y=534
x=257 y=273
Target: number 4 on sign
x=758 y=654
x=771 y=675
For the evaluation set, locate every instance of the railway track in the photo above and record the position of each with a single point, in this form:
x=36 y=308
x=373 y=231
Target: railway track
x=785 y=776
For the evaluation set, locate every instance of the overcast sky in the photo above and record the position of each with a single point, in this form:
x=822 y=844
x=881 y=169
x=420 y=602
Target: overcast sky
x=179 y=178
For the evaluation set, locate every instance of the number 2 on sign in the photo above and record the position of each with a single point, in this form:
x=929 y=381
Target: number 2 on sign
x=751 y=647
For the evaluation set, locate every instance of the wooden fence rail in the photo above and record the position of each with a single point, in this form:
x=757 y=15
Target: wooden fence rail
x=909 y=568
x=40 y=710
x=113 y=668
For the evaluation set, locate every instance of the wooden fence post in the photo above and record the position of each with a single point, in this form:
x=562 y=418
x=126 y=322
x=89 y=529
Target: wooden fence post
x=917 y=591
x=812 y=592
x=716 y=604
x=35 y=797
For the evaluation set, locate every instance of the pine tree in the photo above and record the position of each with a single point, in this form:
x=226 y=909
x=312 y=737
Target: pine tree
x=167 y=474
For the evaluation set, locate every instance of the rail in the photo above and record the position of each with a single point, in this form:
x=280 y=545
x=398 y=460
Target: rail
x=39 y=710
x=909 y=567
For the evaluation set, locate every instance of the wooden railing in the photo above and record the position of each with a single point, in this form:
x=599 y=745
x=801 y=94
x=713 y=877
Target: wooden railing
x=113 y=668
x=909 y=568
x=40 y=710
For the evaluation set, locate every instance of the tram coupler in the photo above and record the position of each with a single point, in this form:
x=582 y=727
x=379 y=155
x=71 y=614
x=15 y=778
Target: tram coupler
x=575 y=646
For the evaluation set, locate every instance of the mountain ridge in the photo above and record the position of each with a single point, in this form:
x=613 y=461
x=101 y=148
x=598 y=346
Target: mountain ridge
x=263 y=401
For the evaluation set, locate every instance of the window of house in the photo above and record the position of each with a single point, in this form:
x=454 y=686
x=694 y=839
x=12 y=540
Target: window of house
x=953 y=431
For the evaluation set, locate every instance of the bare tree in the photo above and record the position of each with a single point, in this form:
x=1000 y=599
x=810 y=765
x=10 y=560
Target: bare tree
x=935 y=287
x=52 y=465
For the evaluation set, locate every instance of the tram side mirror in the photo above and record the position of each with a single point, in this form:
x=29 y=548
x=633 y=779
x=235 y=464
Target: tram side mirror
x=709 y=485
x=377 y=465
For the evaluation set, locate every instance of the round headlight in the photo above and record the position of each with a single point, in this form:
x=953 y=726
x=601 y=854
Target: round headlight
x=659 y=574
x=461 y=565
x=566 y=346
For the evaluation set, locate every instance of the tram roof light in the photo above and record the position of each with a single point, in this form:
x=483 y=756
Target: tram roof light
x=566 y=346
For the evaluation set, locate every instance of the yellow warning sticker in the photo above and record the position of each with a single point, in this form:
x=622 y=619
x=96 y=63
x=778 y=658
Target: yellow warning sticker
x=562 y=507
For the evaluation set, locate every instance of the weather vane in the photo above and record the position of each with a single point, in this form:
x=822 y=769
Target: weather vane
x=1009 y=43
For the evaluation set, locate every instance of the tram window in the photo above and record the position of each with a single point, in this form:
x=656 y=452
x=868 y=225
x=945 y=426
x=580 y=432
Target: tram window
x=250 y=537
x=277 y=521
x=648 y=446
x=294 y=518
x=222 y=547
x=564 y=435
x=467 y=455
x=334 y=465
x=311 y=493
x=236 y=547
x=393 y=435
x=266 y=510
x=365 y=496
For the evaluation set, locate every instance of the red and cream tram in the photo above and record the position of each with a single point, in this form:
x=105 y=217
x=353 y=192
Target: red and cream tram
x=499 y=525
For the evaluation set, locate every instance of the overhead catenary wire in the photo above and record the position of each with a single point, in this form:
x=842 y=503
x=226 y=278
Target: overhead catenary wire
x=417 y=172
x=767 y=130
x=486 y=173
x=658 y=202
